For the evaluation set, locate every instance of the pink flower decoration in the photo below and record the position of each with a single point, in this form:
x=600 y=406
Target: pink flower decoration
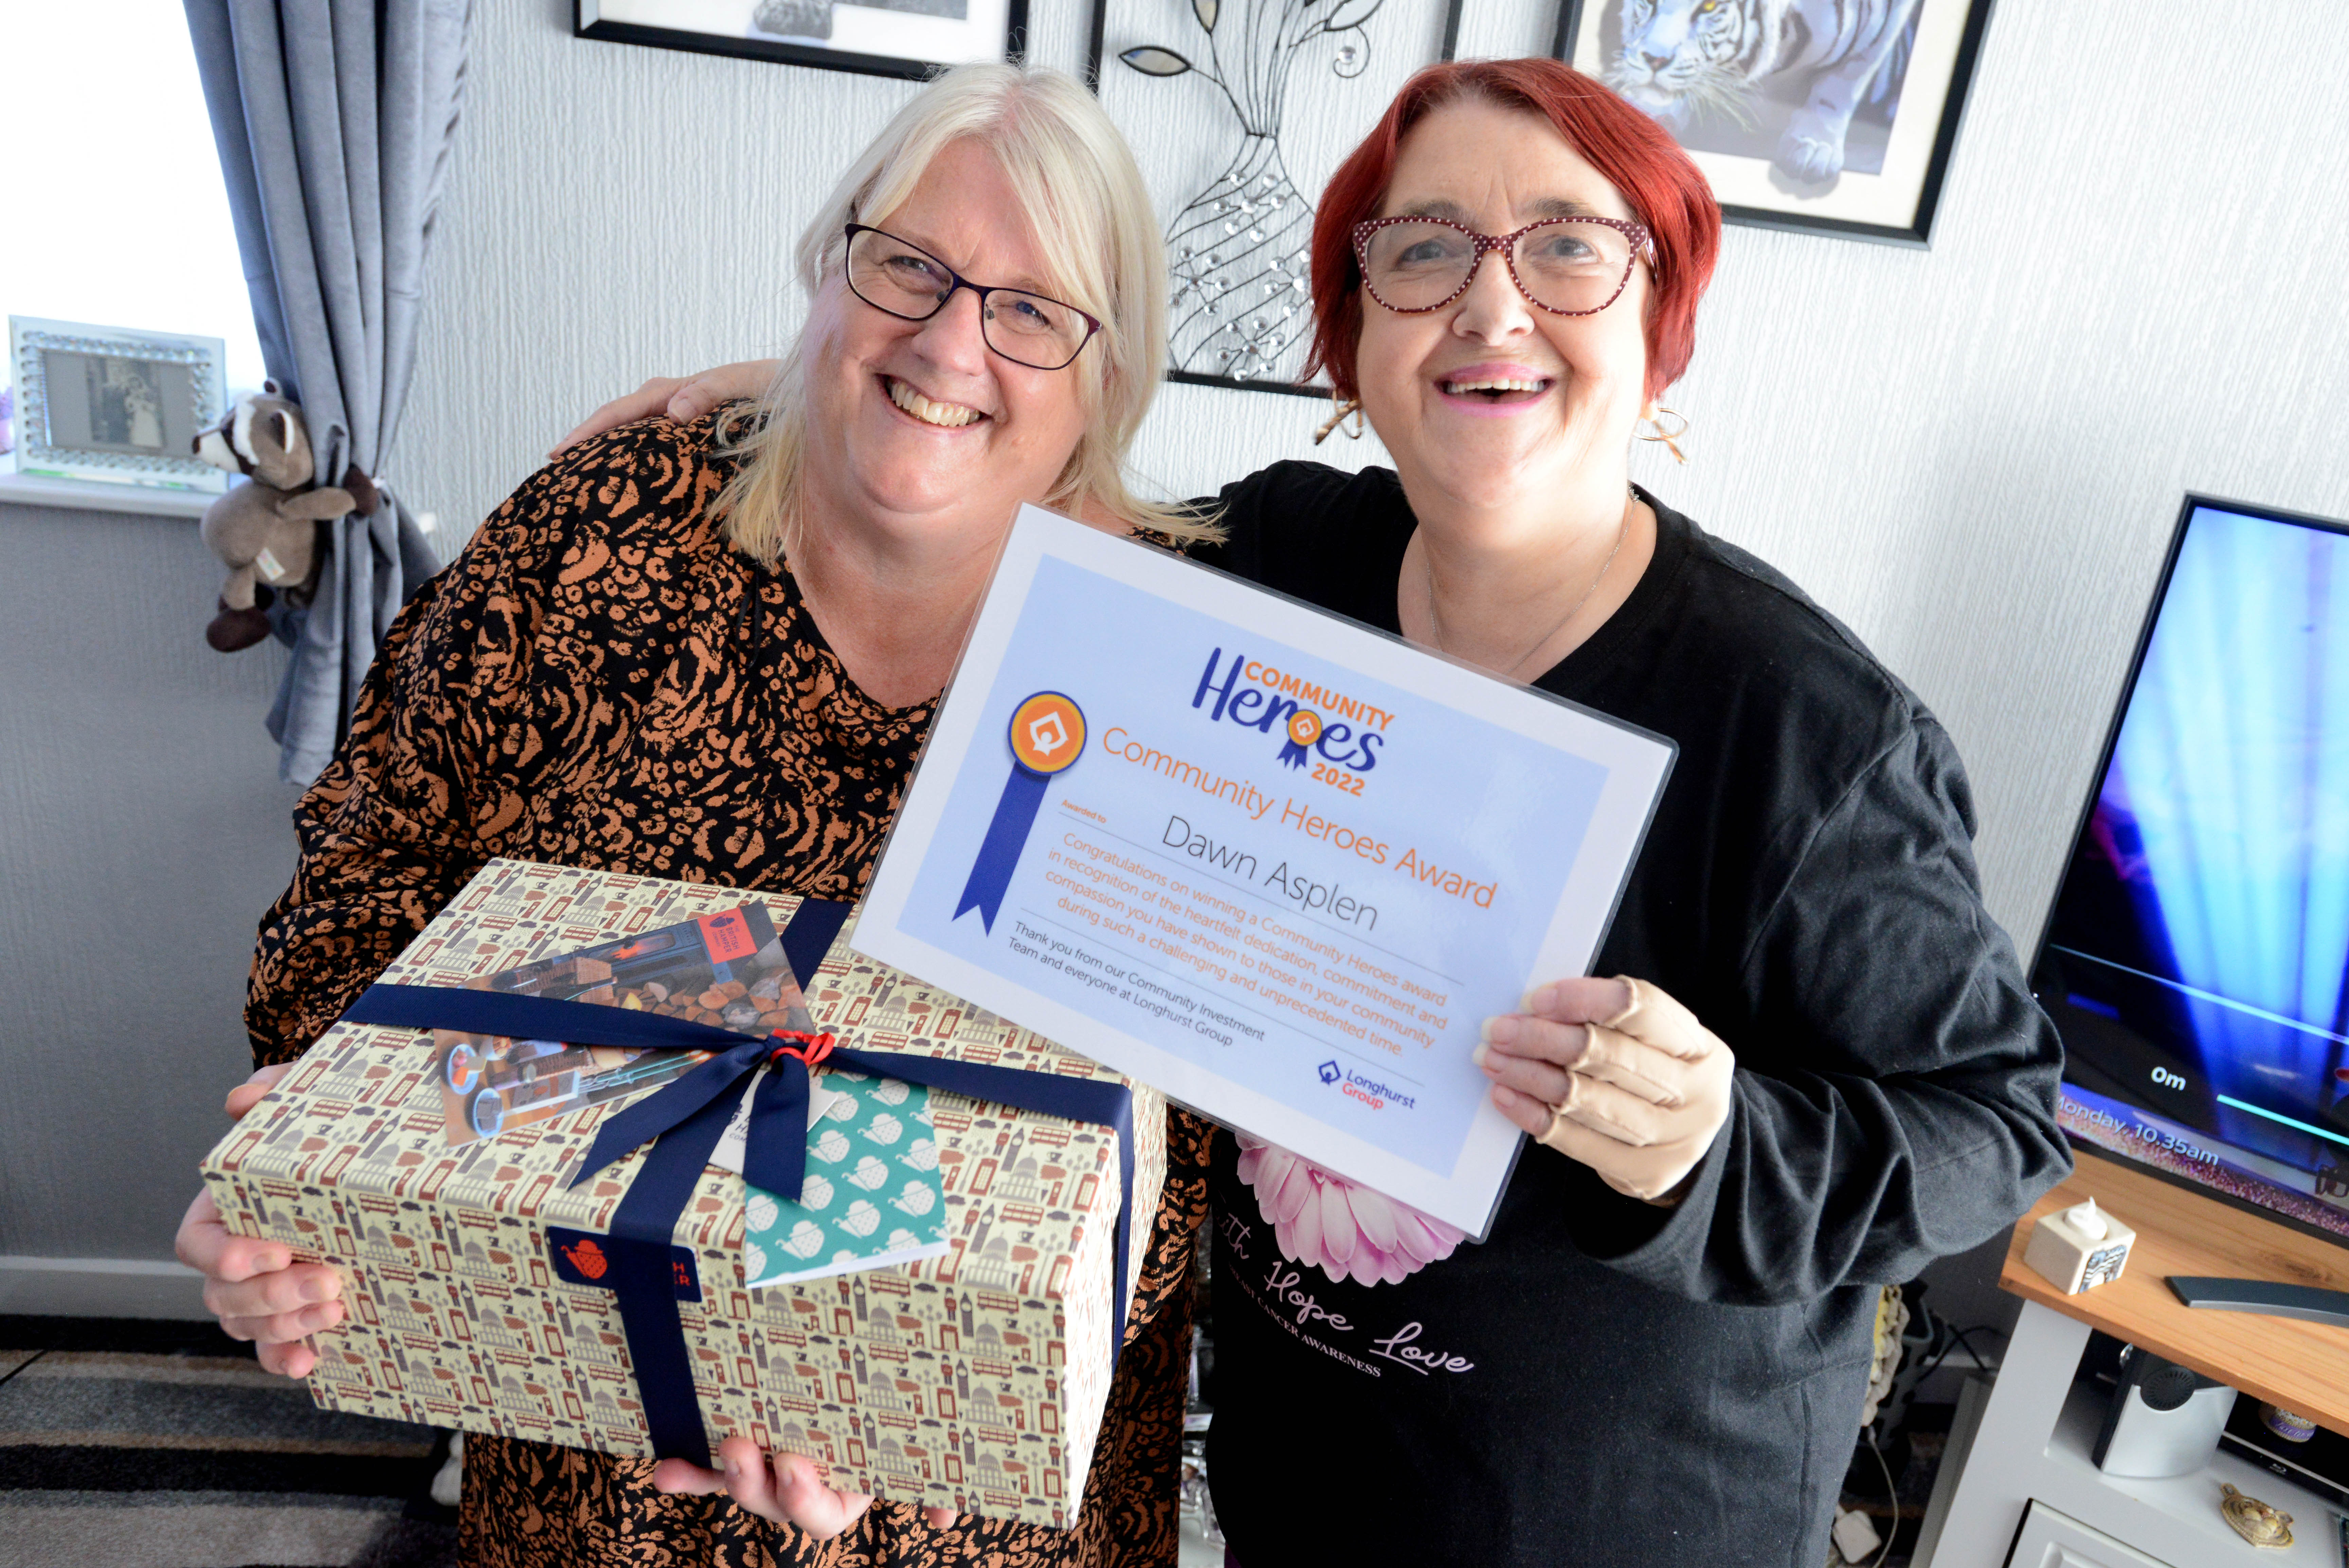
x=1323 y=1220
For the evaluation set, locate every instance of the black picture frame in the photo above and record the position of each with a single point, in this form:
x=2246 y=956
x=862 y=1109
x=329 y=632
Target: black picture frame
x=1096 y=61
x=587 y=21
x=1915 y=228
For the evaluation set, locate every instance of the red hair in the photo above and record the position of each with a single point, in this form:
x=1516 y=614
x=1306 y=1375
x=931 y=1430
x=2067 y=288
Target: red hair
x=1666 y=192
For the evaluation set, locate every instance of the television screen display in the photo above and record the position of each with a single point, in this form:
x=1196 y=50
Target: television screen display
x=2197 y=960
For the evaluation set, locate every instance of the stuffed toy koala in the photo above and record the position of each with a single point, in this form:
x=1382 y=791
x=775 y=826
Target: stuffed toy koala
x=266 y=530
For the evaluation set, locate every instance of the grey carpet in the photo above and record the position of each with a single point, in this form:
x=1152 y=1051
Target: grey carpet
x=128 y=1444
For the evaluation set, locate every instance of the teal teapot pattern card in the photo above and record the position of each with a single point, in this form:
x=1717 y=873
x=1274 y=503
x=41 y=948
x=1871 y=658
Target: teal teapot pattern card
x=872 y=1198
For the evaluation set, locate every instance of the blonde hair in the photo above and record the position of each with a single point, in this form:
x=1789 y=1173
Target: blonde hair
x=1084 y=200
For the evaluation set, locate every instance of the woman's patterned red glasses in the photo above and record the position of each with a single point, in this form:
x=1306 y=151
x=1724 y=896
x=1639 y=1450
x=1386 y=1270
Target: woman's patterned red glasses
x=1568 y=267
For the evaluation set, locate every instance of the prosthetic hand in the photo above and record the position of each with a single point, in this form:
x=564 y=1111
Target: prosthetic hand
x=1615 y=1073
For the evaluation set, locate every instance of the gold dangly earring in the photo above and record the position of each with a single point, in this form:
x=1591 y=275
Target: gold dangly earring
x=1336 y=421
x=1671 y=438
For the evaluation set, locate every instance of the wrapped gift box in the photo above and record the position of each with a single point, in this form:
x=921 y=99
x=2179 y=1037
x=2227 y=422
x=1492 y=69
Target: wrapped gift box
x=973 y=1381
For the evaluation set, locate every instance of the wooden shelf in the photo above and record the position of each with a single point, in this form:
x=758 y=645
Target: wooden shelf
x=2302 y=1366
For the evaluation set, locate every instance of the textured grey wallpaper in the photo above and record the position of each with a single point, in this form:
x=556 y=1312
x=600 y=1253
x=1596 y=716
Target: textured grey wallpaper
x=142 y=833
x=1973 y=454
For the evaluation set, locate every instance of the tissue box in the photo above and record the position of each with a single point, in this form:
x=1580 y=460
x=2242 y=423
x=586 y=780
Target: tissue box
x=2079 y=1248
x=973 y=1381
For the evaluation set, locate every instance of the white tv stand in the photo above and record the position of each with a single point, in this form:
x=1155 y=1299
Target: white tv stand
x=2018 y=1486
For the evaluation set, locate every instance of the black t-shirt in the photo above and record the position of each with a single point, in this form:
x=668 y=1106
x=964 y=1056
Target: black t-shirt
x=1600 y=1381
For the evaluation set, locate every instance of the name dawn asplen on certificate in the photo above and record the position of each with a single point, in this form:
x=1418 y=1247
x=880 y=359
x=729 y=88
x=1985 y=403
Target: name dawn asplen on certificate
x=1204 y=922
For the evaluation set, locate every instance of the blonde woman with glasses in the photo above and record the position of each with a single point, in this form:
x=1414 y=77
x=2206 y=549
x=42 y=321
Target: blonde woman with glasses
x=712 y=650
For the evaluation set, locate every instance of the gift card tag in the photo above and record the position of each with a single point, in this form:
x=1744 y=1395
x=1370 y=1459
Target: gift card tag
x=872 y=1198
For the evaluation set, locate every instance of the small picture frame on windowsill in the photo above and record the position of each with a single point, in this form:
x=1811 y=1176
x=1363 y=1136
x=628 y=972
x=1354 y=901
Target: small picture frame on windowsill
x=113 y=404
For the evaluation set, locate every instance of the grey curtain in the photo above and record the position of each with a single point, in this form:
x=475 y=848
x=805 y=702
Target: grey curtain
x=334 y=119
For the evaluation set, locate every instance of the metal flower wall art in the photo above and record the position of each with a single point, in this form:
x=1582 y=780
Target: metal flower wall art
x=1237 y=249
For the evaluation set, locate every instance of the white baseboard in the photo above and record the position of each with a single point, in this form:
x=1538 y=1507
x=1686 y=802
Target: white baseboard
x=99 y=1287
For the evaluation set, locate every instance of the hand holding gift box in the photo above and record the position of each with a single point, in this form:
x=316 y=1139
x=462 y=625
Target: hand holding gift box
x=260 y=1292
x=974 y=1381
x=784 y=1489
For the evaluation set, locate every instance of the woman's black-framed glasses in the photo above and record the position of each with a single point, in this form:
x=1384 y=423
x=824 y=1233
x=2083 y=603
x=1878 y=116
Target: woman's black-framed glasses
x=1568 y=267
x=905 y=281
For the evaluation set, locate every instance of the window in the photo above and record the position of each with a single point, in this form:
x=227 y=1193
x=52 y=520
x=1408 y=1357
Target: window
x=121 y=218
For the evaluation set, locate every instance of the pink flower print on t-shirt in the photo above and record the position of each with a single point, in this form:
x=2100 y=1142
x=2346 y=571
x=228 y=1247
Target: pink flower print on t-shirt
x=1323 y=1220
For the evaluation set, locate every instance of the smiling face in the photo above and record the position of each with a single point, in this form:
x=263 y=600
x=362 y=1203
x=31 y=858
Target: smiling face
x=917 y=427
x=1492 y=407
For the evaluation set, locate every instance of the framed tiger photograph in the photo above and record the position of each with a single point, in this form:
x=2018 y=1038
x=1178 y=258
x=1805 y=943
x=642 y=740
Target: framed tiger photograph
x=1831 y=117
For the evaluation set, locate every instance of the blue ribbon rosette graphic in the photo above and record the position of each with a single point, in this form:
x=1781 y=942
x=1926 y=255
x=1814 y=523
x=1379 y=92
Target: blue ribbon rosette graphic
x=1048 y=735
x=1304 y=728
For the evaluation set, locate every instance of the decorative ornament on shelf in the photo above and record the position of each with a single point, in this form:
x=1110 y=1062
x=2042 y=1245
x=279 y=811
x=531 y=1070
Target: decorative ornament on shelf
x=1240 y=244
x=111 y=403
x=2254 y=1521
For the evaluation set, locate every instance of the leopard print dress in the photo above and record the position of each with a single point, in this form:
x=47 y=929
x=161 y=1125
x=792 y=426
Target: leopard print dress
x=601 y=680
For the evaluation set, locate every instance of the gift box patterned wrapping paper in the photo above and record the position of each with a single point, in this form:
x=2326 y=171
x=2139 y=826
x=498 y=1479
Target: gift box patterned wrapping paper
x=974 y=1381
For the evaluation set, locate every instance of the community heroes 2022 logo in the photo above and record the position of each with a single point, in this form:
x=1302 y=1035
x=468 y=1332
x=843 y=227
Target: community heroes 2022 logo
x=1256 y=696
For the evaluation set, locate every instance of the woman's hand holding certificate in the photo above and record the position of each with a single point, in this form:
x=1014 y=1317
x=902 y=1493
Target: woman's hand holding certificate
x=1614 y=1074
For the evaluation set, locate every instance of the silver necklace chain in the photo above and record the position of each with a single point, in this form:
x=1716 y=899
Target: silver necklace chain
x=1622 y=531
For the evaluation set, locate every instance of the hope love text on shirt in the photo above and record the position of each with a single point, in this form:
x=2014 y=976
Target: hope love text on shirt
x=1286 y=1293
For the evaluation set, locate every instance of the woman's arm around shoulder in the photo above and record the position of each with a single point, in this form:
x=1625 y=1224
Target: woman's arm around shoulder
x=682 y=399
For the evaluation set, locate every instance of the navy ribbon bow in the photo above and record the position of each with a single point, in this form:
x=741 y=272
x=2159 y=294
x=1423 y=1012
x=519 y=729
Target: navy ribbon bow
x=684 y=1120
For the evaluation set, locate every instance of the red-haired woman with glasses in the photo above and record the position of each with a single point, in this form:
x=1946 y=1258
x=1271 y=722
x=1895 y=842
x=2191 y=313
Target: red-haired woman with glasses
x=1820 y=1067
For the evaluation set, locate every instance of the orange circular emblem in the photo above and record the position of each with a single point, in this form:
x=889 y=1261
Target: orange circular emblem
x=1305 y=726
x=1048 y=733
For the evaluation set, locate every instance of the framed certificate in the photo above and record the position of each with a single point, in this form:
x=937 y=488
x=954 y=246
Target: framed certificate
x=1278 y=864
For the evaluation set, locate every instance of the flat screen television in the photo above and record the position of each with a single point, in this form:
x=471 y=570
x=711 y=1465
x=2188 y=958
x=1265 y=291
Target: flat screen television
x=2196 y=960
